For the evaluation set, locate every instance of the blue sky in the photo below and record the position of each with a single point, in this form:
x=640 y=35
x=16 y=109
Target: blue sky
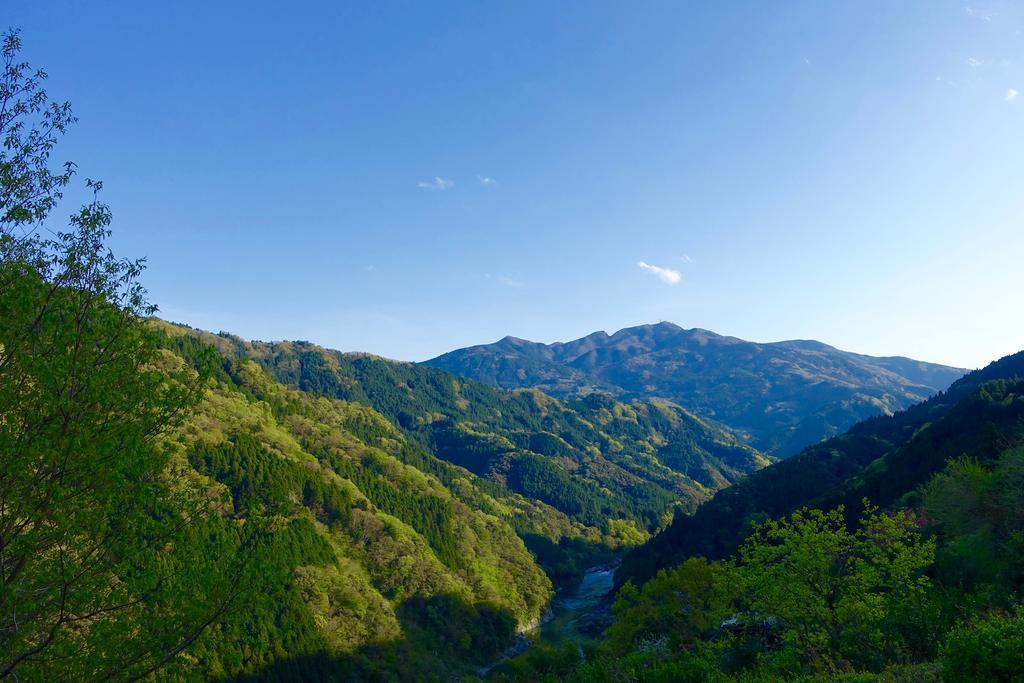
x=408 y=178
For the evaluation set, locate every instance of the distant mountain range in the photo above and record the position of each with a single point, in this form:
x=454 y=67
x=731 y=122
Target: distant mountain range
x=779 y=396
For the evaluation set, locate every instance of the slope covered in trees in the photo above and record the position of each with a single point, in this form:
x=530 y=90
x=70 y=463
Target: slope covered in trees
x=391 y=551
x=616 y=469
x=782 y=396
x=371 y=565
x=880 y=459
x=892 y=553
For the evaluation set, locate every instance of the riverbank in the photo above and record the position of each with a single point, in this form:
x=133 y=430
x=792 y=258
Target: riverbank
x=576 y=613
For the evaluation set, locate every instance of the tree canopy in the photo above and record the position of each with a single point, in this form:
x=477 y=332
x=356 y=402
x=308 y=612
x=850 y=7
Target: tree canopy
x=103 y=569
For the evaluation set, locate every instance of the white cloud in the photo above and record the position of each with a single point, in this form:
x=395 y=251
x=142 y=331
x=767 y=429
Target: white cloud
x=506 y=280
x=486 y=180
x=438 y=183
x=511 y=282
x=666 y=275
x=974 y=62
x=976 y=13
x=1011 y=95
x=686 y=258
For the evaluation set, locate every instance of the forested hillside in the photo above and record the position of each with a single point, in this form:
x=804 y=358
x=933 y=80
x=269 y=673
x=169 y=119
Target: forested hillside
x=614 y=469
x=782 y=396
x=880 y=459
x=381 y=560
x=892 y=553
x=425 y=547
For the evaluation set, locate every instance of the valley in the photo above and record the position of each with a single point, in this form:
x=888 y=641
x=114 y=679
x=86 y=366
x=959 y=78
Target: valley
x=662 y=504
x=454 y=513
x=579 y=485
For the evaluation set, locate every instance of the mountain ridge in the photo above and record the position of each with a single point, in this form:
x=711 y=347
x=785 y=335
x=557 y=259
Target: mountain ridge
x=782 y=396
x=644 y=457
x=881 y=460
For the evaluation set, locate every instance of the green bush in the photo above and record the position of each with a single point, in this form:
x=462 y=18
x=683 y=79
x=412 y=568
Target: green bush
x=988 y=649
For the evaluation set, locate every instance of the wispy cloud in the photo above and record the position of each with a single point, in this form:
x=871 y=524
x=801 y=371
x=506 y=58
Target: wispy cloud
x=438 y=183
x=511 y=282
x=1011 y=95
x=976 y=63
x=666 y=275
x=975 y=13
x=686 y=258
x=486 y=180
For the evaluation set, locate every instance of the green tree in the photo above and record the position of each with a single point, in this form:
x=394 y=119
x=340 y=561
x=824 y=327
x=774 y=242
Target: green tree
x=108 y=568
x=835 y=594
x=30 y=126
x=991 y=648
x=679 y=606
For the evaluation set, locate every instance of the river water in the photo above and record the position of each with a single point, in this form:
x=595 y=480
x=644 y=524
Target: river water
x=572 y=610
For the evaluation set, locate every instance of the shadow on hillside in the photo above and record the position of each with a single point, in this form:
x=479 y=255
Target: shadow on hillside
x=442 y=635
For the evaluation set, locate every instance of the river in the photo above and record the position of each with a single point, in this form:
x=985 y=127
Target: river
x=573 y=608
x=571 y=612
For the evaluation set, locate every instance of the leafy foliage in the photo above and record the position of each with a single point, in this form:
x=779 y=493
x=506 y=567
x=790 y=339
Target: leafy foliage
x=881 y=460
x=372 y=566
x=108 y=567
x=837 y=595
x=31 y=124
x=927 y=591
x=991 y=648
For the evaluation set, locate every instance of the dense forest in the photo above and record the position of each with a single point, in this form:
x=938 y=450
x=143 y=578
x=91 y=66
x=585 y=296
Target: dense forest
x=382 y=568
x=882 y=459
x=599 y=474
x=892 y=553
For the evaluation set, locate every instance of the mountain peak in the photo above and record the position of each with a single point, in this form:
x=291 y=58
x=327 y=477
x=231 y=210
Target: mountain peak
x=775 y=392
x=806 y=344
x=664 y=326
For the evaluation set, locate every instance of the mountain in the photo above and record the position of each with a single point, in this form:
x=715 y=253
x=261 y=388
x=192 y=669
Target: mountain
x=417 y=520
x=882 y=460
x=371 y=558
x=634 y=461
x=780 y=396
x=890 y=553
x=410 y=522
